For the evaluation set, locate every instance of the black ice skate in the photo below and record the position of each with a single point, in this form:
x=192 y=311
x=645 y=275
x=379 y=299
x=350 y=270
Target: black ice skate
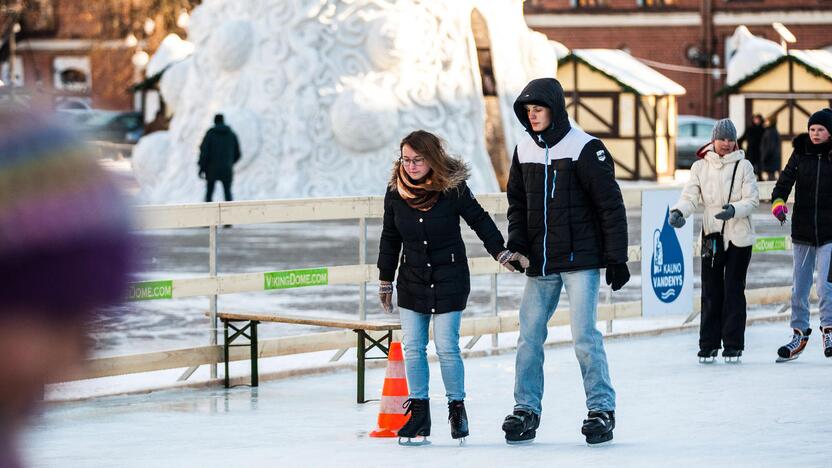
x=707 y=356
x=732 y=355
x=521 y=427
x=418 y=425
x=827 y=341
x=793 y=348
x=458 y=419
x=598 y=427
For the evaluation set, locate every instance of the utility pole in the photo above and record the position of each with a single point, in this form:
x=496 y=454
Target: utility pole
x=707 y=18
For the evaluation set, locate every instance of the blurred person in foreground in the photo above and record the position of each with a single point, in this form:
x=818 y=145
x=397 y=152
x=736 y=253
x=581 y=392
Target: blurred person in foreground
x=64 y=253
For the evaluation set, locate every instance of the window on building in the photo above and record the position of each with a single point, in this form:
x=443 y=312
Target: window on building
x=655 y=3
x=587 y=3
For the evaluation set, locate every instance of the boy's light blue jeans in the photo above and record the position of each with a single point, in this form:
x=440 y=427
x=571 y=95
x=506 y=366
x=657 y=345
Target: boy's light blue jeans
x=807 y=260
x=540 y=298
x=415 y=327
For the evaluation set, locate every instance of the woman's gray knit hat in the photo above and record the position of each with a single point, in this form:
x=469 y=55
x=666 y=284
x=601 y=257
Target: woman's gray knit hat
x=724 y=130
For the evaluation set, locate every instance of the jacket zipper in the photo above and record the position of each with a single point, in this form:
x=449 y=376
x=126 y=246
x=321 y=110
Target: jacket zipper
x=452 y=258
x=817 y=190
x=404 y=258
x=545 y=204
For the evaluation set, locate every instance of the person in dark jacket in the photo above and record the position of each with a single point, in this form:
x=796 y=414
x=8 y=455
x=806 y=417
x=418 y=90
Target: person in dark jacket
x=218 y=153
x=566 y=214
x=770 y=150
x=426 y=196
x=809 y=171
x=751 y=139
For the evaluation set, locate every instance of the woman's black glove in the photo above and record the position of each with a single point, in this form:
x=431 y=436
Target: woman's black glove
x=727 y=213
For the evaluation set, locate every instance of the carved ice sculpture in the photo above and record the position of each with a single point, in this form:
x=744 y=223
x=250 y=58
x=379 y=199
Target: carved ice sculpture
x=320 y=92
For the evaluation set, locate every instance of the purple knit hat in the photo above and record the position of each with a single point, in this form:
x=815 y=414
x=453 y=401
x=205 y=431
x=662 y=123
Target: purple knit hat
x=65 y=247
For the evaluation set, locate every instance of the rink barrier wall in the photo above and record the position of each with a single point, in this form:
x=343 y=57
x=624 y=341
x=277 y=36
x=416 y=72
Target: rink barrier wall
x=212 y=215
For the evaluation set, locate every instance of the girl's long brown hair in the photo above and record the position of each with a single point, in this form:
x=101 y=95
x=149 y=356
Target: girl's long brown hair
x=446 y=171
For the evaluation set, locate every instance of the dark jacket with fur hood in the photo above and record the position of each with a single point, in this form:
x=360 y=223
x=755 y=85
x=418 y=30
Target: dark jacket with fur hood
x=427 y=246
x=809 y=170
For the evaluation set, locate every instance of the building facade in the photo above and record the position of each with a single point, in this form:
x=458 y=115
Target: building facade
x=77 y=54
x=683 y=39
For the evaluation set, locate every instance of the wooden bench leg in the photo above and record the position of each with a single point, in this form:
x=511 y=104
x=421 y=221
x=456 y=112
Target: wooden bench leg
x=255 y=376
x=226 y=347
x=251 y=327
x=361 y=351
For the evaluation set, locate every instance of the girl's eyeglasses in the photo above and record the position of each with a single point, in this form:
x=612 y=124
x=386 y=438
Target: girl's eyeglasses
x=415 y=161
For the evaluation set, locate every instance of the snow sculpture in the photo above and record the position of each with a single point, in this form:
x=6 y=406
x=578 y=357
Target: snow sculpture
x=320 y=92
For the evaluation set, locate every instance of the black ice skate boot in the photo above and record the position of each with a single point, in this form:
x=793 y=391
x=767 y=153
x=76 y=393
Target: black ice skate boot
x=732 y=355
x=521 y=427
x=598 y=427
x=827 y=341
x=707 y=355
x=419 y=423
x=459 y=420
x=793 y=348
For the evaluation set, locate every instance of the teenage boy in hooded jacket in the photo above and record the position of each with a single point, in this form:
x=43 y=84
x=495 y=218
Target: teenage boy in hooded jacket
x=566 y=214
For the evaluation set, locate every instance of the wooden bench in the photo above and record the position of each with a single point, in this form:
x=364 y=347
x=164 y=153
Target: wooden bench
x=249 y=330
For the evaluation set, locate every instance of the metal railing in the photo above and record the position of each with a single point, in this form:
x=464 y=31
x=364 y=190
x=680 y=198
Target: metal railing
x=212 y=215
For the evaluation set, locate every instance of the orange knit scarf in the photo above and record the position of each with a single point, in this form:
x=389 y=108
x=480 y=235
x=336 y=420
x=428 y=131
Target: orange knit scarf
x=419 y=195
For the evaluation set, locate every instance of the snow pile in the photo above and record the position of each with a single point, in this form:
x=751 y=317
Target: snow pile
x=320 y=93
x=746 y=53
x=171 y=50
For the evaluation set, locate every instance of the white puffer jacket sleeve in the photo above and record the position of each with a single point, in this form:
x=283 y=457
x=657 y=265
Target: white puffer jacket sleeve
x=710 y=179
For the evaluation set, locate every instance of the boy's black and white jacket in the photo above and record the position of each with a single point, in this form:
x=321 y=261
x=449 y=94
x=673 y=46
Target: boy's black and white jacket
x=566 y=211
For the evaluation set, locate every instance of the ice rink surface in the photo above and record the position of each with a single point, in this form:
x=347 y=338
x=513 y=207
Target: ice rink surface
x=672 y=411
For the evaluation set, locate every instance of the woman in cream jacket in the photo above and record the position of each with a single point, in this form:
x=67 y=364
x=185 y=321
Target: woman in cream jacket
x=723 y=279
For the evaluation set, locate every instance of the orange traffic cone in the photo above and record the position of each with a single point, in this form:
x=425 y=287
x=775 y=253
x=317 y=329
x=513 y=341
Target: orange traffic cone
x=391 y=415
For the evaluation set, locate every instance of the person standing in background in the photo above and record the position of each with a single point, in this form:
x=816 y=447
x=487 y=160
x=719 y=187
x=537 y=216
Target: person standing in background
x=770 y=150
x=751 y=139
x=218 y=153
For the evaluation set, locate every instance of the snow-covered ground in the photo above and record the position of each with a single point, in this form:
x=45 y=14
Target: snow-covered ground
x=672 y=411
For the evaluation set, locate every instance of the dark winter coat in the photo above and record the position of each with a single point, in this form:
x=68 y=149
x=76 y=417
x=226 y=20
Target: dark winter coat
x=566 y=211
x=752 y=137
x=428 y=249
x=770 y=150
x=218 y=153
x=809 y=170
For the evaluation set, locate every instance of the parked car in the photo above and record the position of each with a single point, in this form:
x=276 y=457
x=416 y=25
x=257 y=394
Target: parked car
x=112 y=126
x=694 y=132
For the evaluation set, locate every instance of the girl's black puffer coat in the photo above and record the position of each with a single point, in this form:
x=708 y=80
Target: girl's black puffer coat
x=428 y=249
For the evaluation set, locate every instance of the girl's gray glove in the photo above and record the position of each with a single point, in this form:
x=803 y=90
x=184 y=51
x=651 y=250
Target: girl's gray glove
x=513 y=261
x=676 y=219
x=385 y=296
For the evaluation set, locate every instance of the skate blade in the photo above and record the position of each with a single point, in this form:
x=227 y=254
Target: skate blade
x=411 y=443
x=786 y=359
x=605 y=439
x=600 y=444
x=462 y=441
x=519 y=442
x=707 y=360
x=735 y=360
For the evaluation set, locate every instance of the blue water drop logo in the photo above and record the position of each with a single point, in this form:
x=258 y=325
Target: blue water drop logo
x=667 y=273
